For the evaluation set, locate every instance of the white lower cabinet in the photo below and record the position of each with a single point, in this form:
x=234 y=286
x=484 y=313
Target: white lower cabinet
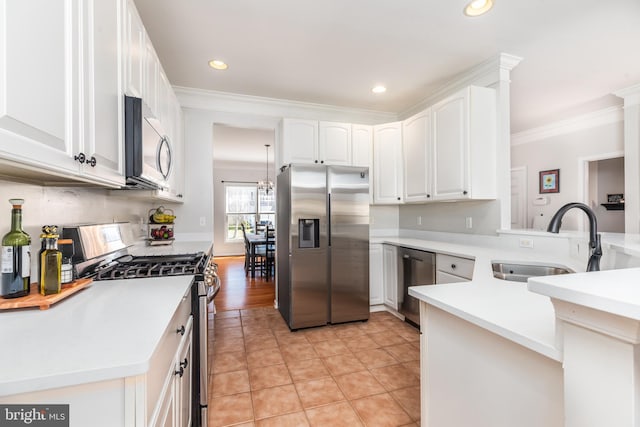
x=159 y=397
x=390 y=267
x=174 y=408
x=376 y=274
x=453 y=269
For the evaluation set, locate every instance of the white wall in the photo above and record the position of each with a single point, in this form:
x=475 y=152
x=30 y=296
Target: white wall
x=566 y=146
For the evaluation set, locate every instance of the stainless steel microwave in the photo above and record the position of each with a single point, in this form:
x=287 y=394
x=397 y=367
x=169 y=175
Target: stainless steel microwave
x=148 y=151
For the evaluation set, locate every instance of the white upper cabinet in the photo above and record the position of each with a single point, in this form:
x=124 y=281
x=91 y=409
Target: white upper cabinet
x=387 y=163
x=151 y=77
x=334 y=147
x=416 y=148
x=361 y=145
x=39 y=85
x=299 y=141
x=328 y=143
x=134 y=50
x=464 y=145
x=103 y=106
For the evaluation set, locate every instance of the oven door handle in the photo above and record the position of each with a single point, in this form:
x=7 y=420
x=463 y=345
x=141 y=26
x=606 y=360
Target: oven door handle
x=204 y=374
x=216 y=288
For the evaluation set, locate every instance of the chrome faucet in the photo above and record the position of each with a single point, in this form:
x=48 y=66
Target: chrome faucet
x=594 y=237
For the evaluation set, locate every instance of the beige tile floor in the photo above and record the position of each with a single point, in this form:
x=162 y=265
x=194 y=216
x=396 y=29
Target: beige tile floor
x=357 y=374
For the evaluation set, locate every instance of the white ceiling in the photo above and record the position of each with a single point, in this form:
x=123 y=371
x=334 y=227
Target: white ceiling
x=575 y=52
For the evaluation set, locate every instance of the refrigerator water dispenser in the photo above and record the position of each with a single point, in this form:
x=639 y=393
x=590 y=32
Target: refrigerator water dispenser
x=308 y=233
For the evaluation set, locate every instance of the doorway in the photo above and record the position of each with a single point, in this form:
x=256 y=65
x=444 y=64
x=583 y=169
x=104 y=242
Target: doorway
x=604 y=191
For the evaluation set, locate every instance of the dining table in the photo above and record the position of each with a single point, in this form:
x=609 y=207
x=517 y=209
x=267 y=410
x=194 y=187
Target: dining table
x=256 y=240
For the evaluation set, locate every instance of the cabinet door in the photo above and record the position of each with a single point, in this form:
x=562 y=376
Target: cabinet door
x=176 y=180
x=416 y=150
x=103 y=102
x=361 y=145
x=390 y=266
x=376 y=275
x=335 y=143
x=387 y=163
x=39 y=85
x=134 y=50
x=151 y=71
x=183 y=383
x=450 y=147
x=300 y=141
x=167 y=412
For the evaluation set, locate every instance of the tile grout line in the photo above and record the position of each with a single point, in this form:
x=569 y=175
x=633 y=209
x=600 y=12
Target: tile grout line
x=331 y=375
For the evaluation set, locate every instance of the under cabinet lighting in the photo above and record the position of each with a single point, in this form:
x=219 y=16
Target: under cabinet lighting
x=218 y=65
x=379 y=89
x=478 y=7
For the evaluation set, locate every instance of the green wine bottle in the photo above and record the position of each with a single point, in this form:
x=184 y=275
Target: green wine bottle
x=15 y=260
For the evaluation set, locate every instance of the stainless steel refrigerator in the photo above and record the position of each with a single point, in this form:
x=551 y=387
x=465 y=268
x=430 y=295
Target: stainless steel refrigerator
x=322 y=233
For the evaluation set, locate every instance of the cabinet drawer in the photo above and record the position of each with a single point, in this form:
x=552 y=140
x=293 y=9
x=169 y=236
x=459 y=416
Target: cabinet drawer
x=442 y=277
x=462 y=267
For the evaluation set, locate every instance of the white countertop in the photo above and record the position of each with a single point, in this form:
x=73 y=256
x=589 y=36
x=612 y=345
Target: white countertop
x=505 y=308
x=613 y=291
x=109 y=330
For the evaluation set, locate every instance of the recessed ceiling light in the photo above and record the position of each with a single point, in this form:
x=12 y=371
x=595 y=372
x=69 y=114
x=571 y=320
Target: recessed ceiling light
x=478 y=7
x=218 y=65
x=379 y=89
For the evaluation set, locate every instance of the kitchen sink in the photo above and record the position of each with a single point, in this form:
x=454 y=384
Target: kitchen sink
x=520 y=272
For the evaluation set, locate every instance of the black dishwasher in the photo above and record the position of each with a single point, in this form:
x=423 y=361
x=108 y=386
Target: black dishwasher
x=418 y=268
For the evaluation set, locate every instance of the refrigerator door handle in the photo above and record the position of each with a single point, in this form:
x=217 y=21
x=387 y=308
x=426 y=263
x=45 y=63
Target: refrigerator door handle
x=329 y=221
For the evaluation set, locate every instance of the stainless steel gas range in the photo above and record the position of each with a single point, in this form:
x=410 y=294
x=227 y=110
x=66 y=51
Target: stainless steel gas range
x=99 y=251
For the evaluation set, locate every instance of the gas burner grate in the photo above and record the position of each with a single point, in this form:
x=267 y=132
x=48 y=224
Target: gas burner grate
x=154 y=267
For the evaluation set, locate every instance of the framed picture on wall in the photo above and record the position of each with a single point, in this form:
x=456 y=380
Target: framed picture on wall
x=550 y=181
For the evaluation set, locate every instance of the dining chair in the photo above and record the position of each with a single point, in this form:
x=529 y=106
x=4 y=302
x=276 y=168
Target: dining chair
x=270 y=253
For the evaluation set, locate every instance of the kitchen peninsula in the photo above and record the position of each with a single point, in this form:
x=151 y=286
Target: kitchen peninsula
x=558 y=351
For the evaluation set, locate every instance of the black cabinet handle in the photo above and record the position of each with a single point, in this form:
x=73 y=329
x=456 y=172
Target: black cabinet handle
x=184 y=363
x=180 y=330
x=179 y=372
x=428 y=196
x=92 y=162
x=453 y=266
x=321 y=161
x=398 y=198
x=316 y=161
x=464 y=192
x=80 y=157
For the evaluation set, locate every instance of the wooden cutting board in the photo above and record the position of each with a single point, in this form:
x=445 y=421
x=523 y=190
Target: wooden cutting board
x=34 y=299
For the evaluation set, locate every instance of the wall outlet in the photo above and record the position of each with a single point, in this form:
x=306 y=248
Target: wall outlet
x=203 y=221
x=526 y=243
x=419 y=220
x=469 y=222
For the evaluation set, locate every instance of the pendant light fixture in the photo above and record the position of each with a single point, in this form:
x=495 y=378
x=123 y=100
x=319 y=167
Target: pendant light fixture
x=267 y=184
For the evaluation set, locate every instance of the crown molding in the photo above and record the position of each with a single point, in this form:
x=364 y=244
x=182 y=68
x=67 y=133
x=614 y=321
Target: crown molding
x=575 y=124
x=256 y=105
x=486 y=73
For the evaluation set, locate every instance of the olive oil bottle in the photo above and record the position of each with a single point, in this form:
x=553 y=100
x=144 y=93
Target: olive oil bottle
x=50 y=262
x=15 y=256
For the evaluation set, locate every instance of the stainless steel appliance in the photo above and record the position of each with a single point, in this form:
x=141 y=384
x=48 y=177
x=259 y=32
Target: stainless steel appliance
x=148 y=150
x=418 y=268
x=322 y=244
x=101 y=251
